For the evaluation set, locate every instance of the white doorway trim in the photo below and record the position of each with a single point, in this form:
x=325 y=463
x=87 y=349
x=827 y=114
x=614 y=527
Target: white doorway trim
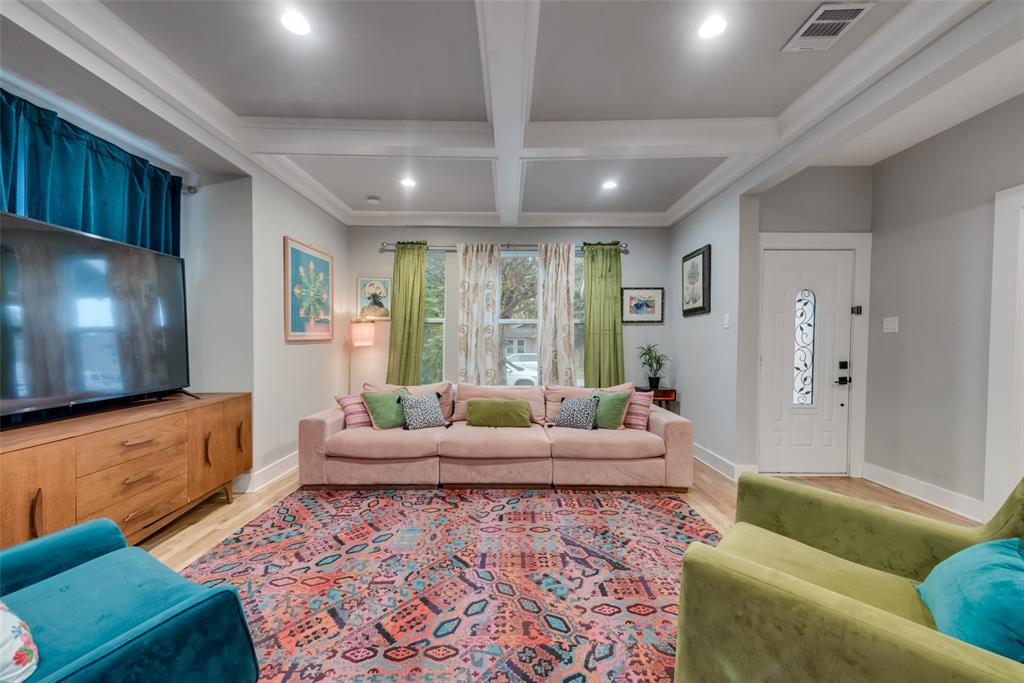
x=860 y=244
x=1004 y=434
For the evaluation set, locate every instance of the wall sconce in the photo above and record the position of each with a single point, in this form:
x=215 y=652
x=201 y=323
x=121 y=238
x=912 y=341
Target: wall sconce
x=362 y=332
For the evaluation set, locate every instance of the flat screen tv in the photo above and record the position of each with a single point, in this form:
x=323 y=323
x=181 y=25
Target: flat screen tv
x=85 y=320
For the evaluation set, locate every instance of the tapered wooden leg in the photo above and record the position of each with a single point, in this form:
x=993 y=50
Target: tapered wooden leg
x=229 y=493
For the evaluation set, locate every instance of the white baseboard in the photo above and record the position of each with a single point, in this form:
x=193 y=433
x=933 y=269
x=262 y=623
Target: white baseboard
x=962 y=505
x=254 y=480
x=720 y=464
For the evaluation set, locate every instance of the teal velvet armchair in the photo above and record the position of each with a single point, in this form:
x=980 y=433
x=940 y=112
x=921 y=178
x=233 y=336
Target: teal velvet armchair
x=101 y=611
x=814 y=586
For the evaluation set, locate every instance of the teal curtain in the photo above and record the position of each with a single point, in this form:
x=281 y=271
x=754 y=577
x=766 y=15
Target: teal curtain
x=603 y=363
x=54 y=171
x=408 y=304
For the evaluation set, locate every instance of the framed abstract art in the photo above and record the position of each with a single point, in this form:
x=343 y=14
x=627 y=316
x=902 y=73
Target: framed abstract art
x=309 y=293
x=697 y=282
x=643 y=304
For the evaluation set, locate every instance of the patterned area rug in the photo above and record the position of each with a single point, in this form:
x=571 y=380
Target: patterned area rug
x=450 y=585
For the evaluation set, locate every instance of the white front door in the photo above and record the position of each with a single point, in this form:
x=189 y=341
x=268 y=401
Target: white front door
x=805 y=352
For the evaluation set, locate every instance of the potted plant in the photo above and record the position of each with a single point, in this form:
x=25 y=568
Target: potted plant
x=654 y=361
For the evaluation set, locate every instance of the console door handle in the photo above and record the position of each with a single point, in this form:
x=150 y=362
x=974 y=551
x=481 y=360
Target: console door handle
x=238 y=435
x=206 y=448
x=35 y=514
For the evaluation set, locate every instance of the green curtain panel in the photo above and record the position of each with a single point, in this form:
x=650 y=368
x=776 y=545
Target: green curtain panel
x=408 y=288
x=603 y=364
x=54 y=171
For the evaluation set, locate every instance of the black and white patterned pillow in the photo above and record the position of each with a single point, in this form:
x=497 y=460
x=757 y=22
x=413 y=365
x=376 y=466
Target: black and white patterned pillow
x=576 y=413
x=422 y=411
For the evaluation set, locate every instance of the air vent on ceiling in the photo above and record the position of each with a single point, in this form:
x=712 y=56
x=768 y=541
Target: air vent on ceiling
x=826 y=25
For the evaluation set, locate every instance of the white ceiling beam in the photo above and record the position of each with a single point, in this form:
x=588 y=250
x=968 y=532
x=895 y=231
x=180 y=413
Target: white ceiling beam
x=352 y=137
x=424 y=219
x=664 y=138
x=982 y=36
x=508 y=48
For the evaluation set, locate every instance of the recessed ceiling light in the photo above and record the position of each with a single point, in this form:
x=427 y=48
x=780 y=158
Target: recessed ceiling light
x=373 y=199
x=609 y=185
x=295 y=22
x=408 y=182
x=712 y=27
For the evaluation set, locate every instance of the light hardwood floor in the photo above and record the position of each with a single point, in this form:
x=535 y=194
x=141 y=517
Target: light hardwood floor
x=712 y=495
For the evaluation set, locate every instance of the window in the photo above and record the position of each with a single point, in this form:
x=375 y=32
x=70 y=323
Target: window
x=519 y=318
x=432 y=361
x=803 y=349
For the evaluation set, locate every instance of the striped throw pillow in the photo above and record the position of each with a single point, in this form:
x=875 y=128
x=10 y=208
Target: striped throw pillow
x=639 y=410
x=355 y=411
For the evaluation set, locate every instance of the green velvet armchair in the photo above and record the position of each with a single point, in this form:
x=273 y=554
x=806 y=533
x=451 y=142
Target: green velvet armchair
x=814 y=586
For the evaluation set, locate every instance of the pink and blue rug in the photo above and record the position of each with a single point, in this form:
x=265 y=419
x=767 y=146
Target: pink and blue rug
x=501 y=585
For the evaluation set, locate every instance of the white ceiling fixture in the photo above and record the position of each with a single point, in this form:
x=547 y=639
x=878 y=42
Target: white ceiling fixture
x=295 y=22
x=712 y=27
x=373 y=199
x=826 y=25
x=408 y=182
x=609 y=185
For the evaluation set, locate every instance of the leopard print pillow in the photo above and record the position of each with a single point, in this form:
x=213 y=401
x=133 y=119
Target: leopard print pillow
x=422 y=411
x=577 y=413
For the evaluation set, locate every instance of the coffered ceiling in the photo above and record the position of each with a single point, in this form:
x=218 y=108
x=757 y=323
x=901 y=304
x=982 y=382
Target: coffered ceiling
x=501 y=112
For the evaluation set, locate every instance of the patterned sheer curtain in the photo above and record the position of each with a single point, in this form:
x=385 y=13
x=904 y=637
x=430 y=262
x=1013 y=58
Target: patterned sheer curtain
x=556 y=282
x=480 y=272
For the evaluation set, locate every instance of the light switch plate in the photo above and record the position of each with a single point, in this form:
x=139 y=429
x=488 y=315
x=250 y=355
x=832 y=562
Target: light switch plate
x=891 y=324
x=725 y=321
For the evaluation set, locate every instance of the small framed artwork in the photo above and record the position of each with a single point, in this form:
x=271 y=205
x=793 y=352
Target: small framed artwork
x=374 y=298
x=309 y=293
x=643 y=304
x=697 y=282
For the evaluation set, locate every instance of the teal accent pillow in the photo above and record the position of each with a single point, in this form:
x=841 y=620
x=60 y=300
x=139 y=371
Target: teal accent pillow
x=611 y=408
x=977 y=596
x=385 y=408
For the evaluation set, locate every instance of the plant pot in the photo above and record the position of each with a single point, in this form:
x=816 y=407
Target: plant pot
x=653 y=382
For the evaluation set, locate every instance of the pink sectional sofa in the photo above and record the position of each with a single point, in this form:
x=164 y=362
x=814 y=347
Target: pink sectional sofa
x=661 y=456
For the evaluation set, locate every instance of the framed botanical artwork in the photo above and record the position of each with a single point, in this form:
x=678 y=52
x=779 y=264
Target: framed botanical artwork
x=309 y=293
x=697 y=282
x=373 y=297
x=643 y=304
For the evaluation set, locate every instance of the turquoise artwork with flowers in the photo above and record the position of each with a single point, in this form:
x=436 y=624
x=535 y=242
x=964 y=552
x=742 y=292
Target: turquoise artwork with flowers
x=309 y=293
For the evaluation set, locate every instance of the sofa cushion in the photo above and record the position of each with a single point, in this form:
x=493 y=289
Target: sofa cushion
x=465 y=441
x=493 y=412
x=388 y=444
x=554 y=393
x=443 y=388
x=577 y=413
x=422 y=411
x=604 y=444
x=611 y=408
x=890 y=592
x=385 y=408
x=532 y=395
x=85 y=607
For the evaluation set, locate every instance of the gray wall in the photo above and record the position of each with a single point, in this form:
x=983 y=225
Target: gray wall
x=645 y=265
x=819 y=199
x=216 y=243
x=932 y=266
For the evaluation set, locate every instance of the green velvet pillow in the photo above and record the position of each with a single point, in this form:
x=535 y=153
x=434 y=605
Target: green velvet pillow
x=977 y=596
x=493 y=412
x=611 y=408
x=385 y=409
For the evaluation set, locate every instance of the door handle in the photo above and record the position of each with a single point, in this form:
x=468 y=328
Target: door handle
x=843 y=381
x=238 y=435
x=206 y=448
x=35 y=514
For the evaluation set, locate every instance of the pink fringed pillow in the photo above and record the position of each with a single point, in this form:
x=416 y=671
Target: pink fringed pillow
x=355 y=411
x=639 y=410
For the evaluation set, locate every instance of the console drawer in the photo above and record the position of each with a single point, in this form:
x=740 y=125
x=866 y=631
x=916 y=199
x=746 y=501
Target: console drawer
x=144 y=508
x=100 y=450
x=96 y=490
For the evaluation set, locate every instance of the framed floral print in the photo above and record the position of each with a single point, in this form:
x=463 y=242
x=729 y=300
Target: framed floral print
x=309 y=293
x=643 y=304
x=373 y=295
x=697 y=282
